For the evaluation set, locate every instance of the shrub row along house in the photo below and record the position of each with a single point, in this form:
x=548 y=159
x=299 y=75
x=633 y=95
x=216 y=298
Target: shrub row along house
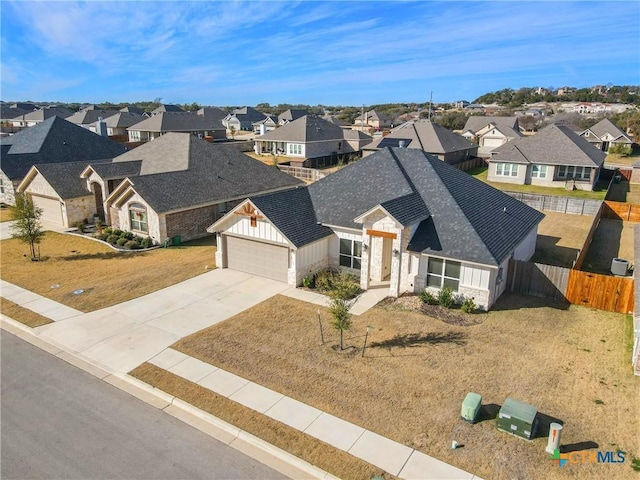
x=400 y=217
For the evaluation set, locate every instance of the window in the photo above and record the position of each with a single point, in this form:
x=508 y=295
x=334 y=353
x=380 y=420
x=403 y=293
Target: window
x=574 y=173
x=506 y=169
x=138 y=217
x=443 y=273
x=539 y=171
x=350 y=253
x=295 y=149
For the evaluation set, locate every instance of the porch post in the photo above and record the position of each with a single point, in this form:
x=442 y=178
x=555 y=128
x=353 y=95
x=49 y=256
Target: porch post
x=365 y=261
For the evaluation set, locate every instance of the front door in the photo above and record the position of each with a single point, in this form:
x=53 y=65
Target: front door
x=386 y=258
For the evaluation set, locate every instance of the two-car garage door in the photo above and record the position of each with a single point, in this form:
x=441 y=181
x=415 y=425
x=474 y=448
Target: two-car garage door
x=51 y=210
x=257 y=258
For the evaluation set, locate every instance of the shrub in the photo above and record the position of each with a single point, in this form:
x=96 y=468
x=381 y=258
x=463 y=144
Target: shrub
x=427 y=297
x=445 y=297
x=127 y=235
x=308 y=282
x=324 y=280
x=116 y=232
x=146 y=242
x=121 y=241
x=620 y=149
x=137 y=238
x=80 y=227
x=132 y=245
x=112 y=238
x=468 y=305
x=345 y=285
x=107 y=230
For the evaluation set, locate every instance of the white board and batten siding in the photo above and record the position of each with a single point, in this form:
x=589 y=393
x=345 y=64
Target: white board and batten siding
x=527 y=247
x=263 y=231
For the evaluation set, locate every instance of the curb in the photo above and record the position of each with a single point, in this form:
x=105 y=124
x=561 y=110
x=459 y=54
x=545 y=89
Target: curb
x=250 y=445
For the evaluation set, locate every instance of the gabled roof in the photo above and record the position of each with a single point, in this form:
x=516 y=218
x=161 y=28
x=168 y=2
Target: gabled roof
x=45 y=113
x=373 y=115
x=456 y=216
x=123 y=119
x=424 y=135
x=166 y=108
x=203 y=173
x=177 y=122
x=65 y=178
x=53 y=141
x=130 y=109
x=335 y=120
x=292 y=114
x=553 y=145
x=113 y=170
x=305 y=129
x=267 y=120
x=9 y=113
x=605 y=126
x=90 y=115
x=277 y=208
x=212 y=113
x=507 y=125
x=246 y=114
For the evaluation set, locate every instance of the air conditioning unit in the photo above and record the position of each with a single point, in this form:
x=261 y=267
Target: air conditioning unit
x=471 y=407
x=619 y=267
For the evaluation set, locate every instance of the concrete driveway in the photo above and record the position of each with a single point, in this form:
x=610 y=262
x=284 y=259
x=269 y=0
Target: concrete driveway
x=125 y=335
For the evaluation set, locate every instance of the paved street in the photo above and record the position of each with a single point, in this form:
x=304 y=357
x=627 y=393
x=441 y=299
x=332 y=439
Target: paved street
x=60 y=422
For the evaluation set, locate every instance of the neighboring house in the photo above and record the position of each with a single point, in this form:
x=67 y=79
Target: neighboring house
x=429 y=137
x=53 y=141
x=335 y=120
x=554 y=157
x=185 y=122
x=10 y=111
x=400 y=218
x=60 y=192
x=38 y=116
x=117 y=124
x=491 y=132
x=373 y=119
x=605 y=134
x=177 y=185
x=314 y=141
x=167 y=108
x=87 y=118
x=265 y=125
x=212 y=113
x=242 y=119
x=291 y=115
x=136 y=110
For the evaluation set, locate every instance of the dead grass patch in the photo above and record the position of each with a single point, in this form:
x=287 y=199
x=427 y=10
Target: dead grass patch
x=612 y=239
x=108 y=277
x=560 y=238
x=318 y=453
x=22 y=315
x=6 y=213
x=410 y=385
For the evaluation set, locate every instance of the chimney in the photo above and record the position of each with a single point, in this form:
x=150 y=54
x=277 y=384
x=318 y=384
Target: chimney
x=101 y=127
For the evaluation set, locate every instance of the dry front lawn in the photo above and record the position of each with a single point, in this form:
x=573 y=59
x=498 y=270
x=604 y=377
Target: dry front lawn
x=560 y=238
x=5 y=213
x=573 y=365
x=107 y=277
x=22 y=315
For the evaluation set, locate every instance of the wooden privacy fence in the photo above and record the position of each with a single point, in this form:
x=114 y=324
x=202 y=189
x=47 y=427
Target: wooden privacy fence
x=469 y=164
x=587 y=241
x=604 y=292
x=554 y=203
x=302 y=173
x=628 y=212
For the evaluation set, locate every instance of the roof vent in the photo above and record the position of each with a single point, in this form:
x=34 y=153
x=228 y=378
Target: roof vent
x=401 y=144
x=504 y=209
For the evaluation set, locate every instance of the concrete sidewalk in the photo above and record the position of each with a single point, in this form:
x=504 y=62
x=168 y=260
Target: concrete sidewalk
x=111 y=342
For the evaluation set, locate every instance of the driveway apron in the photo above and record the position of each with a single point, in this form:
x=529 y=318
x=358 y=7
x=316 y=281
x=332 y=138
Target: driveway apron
x=123 y=336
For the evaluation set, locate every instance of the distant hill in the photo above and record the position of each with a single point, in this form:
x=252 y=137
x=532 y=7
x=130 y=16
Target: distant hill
x=599 y=93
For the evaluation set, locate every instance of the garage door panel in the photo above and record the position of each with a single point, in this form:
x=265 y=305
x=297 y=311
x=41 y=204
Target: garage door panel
x=258 y=258
x=493 y=142
x=51 y=210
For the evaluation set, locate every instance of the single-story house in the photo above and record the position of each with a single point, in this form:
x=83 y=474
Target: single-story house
x=38 y=116
x=88 y=117
x=53 y=141
x=605 y=134
x=242 y=119
x=184 y=122
x=117 y=124
x=177 y=185
x=554 y=157
x=429 y=137
x=317 y=143
x=400 y=218
x=265 y=125
x=491 y=132
x=164 y=108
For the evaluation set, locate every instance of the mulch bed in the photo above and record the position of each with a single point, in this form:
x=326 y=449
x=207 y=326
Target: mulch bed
x=451 y=316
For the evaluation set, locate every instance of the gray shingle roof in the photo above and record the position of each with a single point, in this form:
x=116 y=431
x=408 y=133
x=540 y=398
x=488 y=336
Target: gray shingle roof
x=85 y=117
x=428 y=136
x=507 y=125
x=177 y=122
x=109 y=171
x=166 y=108
x=553 y=145
x=214 y=173
x=130 y=109
x=292 y=213
x=247 y=114
x=305 y=129
x=53 y=141
x=65 y=177
x=460 y=217
x=123 y=119
x=292 y=114
x=605 y=126
x=44 y=113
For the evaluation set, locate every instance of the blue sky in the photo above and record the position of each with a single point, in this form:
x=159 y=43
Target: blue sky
x=311 y=52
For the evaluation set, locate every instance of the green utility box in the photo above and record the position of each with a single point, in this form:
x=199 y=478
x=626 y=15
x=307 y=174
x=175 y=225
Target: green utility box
x=471 y=407
x=517 y=418
x=176 y=240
